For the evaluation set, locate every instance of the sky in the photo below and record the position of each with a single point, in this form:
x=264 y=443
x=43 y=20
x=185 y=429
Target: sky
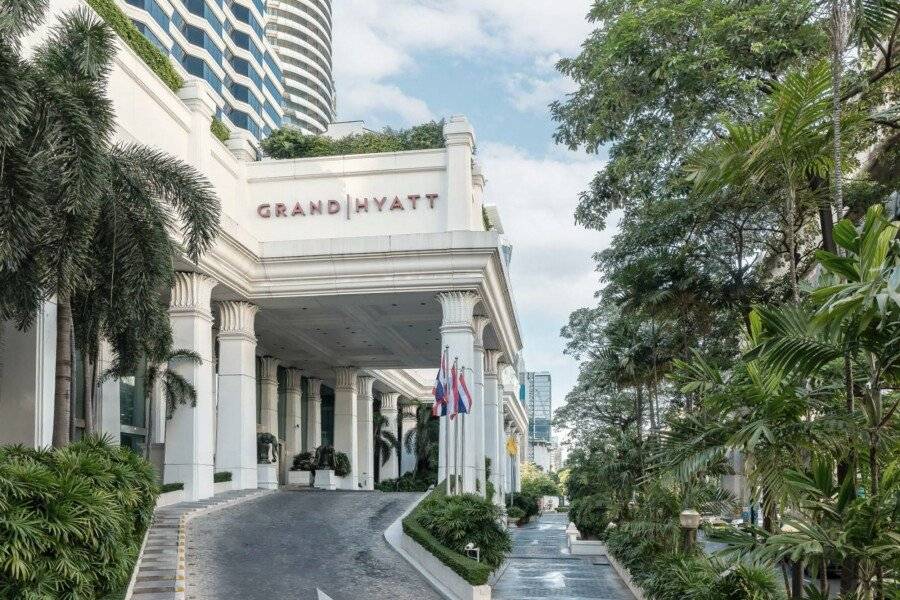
x=403 y=62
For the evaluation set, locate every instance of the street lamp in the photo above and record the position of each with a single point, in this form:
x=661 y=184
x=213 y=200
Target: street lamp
x=690 y=522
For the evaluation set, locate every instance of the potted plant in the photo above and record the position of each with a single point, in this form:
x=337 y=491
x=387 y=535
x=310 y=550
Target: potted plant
x=516 y=516
x=330 y=467
x=267 y=458
x=302 y=469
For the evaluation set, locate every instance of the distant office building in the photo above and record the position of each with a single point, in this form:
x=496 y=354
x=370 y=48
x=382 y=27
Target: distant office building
x=223 y=42
x=536 y=395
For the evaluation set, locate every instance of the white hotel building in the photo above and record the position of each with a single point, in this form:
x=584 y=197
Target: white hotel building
x=333 y=284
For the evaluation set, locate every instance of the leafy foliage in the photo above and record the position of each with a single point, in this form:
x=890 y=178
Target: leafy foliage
x=458 y=520
x=220 y=129
x=537 y=483
x=305 y=461
x=289 y=142
x=72 y=519
x=409 y=482
x=149 y=53
x=589 y=515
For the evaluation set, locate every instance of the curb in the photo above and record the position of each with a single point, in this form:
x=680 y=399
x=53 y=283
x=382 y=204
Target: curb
x=173 y=580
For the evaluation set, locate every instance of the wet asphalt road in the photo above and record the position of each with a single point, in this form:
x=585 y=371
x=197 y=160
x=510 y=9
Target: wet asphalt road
x=289 y=544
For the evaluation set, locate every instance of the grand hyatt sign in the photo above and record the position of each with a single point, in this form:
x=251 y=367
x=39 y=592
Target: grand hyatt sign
x=348 y=206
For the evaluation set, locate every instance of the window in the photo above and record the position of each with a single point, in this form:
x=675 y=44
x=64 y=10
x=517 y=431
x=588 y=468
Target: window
x=327 y=416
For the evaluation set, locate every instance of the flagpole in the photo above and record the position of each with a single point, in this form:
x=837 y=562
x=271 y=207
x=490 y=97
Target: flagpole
x=447 y=453
x=463 y=418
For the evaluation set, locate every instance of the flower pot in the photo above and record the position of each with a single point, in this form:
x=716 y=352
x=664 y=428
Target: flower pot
x=299 y=477
x=267 y=476
x=325 y=479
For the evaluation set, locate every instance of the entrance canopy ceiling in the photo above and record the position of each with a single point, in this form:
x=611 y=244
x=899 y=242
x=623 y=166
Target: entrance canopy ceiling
x=374 y=331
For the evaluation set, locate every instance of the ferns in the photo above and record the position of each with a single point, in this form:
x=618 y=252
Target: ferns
x=71 y=520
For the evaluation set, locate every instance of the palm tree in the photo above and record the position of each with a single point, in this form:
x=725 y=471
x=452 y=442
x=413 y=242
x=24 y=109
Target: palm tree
x=88 y=221
x=422 y=440
x=386 y=441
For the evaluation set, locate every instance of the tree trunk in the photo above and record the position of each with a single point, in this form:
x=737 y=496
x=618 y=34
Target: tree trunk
x=839 y=30
x=791 y=240
x=797 y=580
x=87 y=369
x=62 y=396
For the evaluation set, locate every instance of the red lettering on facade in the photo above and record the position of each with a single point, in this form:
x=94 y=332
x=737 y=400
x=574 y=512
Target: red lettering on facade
x=362 y=204
x=334 y=207
x=431 y=199
x=298 y=210
x=264 y=210
x=413 y=198
x=315 y=208
x=380 y=203
x=396 y=204
x=280 y=210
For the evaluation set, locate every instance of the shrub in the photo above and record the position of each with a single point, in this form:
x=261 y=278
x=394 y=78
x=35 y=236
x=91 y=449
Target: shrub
x=289 y=142
x=589 y=515
x=220 y=129
x=171 y=487
x=515 y=513
x=342 y=466
x=150 y=54
x=468 y=518
x=528 y=504
x=72 y=519
x=537 y=483
x=409 y=482
x=476 y=573
x=222 y=476
x=305 y=461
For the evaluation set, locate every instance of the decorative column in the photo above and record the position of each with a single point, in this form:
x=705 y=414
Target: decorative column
x=189 y=434
x=390 y=469
x=492 y=423
x=314 y=414
x=236 y=417
x=476 y=418
x=365 y=424
x=345 y=421
x=458 y=335
x=408 y=423
x=293 y=439
x=268 y=384
x=517 y=465
x=459 y=139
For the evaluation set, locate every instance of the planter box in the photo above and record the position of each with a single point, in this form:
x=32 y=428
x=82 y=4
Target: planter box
x=452 y=584
x=587 y=548
x=223 y=486
x=170 y=498
x=325 y=480
x=299 y=477
x=267 y=476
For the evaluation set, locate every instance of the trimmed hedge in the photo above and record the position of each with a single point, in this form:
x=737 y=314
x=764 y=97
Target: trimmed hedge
x=220 y=129
x=72 y=519
x=172 y=487
x=150 y=54
x=472 y=571
x=222 y=476
x=410 y=482
x=290 y=142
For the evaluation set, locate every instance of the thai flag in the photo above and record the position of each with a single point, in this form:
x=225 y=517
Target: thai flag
x=441 y=390
x=459 y=394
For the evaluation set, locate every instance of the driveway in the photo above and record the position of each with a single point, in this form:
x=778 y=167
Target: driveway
x=540 y=567
x=289 y=544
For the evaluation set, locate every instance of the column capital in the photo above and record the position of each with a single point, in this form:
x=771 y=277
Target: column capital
x=410 y=412
x=458 y=131
x=491 y=362
x=479 y=323
x=364 y=386
x=389 y=402
x=191 y=294
x=315 y=389
x=236 y=320
x=345 y=378
x=456 y=309
x=197 y=95
x=268 y=369
x=292 y=380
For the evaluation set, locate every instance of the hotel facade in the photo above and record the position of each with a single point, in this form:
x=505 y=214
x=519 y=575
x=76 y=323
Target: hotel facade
x=331 y=289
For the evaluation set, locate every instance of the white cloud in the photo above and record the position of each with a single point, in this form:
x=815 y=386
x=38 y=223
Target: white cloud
x=552 y=267
x=534 y=94
x=375 y=40
x=378 y=102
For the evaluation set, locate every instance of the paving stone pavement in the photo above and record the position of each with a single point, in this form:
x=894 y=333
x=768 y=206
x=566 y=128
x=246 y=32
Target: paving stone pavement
x=541 y=567
x=288 y=544
x=160 y=574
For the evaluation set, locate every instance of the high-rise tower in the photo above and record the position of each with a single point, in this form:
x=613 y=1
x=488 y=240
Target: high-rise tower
x=224 y=42
x=300 y=33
